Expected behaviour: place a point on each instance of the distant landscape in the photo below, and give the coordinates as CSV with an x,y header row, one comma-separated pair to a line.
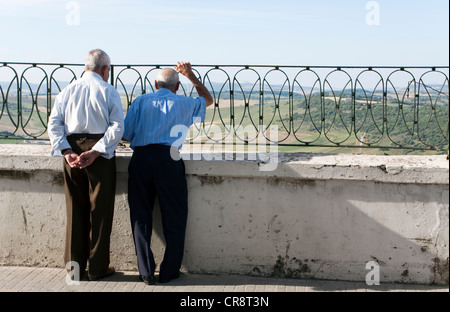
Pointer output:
x,y
318,119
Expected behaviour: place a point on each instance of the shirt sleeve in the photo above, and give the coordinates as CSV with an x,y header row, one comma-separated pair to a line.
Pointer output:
x,y
56,127
130,121
199,109
107,145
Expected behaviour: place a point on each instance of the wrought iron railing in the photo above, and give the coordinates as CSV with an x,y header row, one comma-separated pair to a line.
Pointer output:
x,y
315,106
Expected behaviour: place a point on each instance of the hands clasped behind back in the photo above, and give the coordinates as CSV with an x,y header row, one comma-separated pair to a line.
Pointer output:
x,y
81,161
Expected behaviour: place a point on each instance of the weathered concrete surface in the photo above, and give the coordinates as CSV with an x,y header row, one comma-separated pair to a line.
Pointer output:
x,y
315,216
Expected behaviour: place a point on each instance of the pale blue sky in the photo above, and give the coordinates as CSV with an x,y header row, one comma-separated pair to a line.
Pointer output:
x,y
254,32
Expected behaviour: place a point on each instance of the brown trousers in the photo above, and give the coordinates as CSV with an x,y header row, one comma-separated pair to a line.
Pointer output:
x,y
90,207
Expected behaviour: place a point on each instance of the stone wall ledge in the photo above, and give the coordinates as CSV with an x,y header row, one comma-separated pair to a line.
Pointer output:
x,y
386,169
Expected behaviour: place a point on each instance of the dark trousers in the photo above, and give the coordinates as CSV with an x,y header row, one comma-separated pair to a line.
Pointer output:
x,y
153,172
90,196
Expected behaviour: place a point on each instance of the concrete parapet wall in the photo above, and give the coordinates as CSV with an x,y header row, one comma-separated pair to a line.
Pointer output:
x,y
315,216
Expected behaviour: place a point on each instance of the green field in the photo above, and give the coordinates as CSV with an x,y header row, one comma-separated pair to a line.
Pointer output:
x,y
392,127
311,130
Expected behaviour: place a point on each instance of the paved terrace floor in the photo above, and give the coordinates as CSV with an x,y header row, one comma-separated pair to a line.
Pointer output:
x,y
28,279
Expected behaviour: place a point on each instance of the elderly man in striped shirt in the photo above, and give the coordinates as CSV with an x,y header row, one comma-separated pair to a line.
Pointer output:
x,y
154,172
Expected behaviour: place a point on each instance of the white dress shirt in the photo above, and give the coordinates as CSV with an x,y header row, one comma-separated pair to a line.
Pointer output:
x,y
87,106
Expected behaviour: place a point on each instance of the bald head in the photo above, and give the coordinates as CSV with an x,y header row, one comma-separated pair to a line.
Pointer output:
x,y
167,78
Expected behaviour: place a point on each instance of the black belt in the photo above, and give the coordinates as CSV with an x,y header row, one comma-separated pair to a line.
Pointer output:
x,y
155,146
87,136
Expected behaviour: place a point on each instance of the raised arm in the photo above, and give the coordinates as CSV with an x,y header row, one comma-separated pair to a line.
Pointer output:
x,y
186,70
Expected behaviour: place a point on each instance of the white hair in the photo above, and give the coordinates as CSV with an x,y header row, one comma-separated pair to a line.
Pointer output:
x,y
96,59
167,78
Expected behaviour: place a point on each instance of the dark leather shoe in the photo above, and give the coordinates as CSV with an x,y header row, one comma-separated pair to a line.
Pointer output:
x,y
110,271
165,280
148,280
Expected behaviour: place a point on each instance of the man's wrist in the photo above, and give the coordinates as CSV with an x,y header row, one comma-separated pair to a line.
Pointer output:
x,y
95,153
191,76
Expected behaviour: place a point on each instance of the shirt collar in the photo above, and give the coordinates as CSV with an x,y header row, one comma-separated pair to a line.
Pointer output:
x,y
164,91
92,74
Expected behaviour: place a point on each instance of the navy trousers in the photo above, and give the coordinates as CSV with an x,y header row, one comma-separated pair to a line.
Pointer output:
x,y
153,172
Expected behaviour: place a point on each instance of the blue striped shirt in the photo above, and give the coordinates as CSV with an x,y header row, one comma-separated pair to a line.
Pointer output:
x,y
156,118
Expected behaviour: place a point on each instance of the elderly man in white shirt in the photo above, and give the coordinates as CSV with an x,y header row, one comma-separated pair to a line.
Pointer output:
x,y
85,126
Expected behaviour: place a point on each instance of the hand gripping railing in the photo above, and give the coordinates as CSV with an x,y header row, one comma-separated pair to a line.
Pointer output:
x,y
315,106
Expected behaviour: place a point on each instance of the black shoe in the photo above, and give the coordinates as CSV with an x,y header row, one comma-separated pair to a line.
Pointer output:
x,y
110,271
165,280
148,280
